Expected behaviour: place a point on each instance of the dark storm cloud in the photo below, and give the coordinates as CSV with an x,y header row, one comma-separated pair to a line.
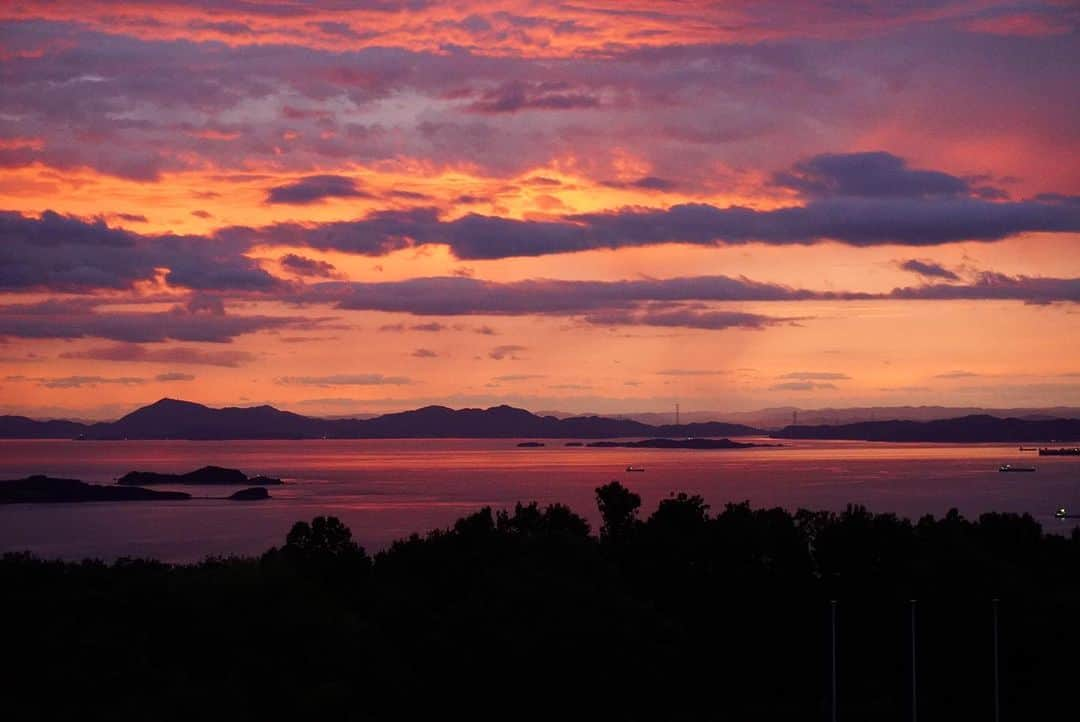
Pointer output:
x,y
855,221
928,269
65,253
315,188
378,234
132,352
873,174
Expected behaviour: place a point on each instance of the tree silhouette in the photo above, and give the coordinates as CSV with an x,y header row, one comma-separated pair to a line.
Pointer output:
x,y
325,536
618,508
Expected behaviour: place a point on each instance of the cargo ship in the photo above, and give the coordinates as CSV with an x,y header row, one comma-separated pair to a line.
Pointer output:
x,y
1074,451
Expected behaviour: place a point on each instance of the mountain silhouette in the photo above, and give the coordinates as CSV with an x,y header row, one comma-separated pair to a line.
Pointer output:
x,y
176,419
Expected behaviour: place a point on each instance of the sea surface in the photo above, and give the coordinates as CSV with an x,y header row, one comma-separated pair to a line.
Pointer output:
x,y
387,489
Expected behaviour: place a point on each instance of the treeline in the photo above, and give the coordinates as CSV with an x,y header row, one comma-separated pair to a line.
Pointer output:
x,y
685,614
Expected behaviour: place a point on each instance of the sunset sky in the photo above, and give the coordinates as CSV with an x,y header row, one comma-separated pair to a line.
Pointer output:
x,y
599,205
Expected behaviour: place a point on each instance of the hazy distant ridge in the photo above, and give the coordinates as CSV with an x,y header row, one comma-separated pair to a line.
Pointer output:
x,y
967,429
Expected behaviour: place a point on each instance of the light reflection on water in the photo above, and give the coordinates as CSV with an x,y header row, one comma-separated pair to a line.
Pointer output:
x,y
386,489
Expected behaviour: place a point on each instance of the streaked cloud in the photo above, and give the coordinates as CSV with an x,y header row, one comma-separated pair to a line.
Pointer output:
x,y
345,380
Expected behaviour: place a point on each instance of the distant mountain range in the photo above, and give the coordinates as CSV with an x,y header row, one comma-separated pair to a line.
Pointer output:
x,y
781,416
174,419
966,429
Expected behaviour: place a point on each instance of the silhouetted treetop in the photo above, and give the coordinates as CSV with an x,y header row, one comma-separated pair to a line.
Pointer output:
x,y
618,508
325,536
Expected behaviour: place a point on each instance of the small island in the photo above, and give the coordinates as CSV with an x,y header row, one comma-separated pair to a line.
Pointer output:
x,y
679,444
46,489
254,493
41,489
207,475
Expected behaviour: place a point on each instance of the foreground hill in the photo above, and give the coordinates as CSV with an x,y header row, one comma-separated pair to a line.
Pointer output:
x,y
684,613
966,429
174,419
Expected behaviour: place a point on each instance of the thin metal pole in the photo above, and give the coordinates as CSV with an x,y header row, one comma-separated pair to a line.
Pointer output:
x,y
832,604
914,678
997,668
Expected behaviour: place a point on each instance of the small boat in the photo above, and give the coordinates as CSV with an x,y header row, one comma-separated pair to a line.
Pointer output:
x,y
1061,513
1010,467
1075,451
635,468
1029,448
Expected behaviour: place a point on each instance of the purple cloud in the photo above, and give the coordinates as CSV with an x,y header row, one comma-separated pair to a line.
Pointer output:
x,y
76,319
173,376
816,376
874,174
855,221
508,351
315,188
304,266
801,386
517,95
928,269
685,318
345,380
64,253
131,352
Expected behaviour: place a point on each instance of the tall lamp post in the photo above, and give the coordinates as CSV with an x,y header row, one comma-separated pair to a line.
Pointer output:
x,y
914,676
997,667
832,697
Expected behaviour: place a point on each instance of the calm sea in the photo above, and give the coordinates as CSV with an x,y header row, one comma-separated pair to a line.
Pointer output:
x,y
386,489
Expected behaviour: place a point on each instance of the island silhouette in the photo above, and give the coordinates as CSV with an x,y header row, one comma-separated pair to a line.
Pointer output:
x,y
40,488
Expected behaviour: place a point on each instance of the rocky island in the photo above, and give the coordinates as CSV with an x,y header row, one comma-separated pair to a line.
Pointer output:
x,y
45,489
207,475
253,493
41,489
